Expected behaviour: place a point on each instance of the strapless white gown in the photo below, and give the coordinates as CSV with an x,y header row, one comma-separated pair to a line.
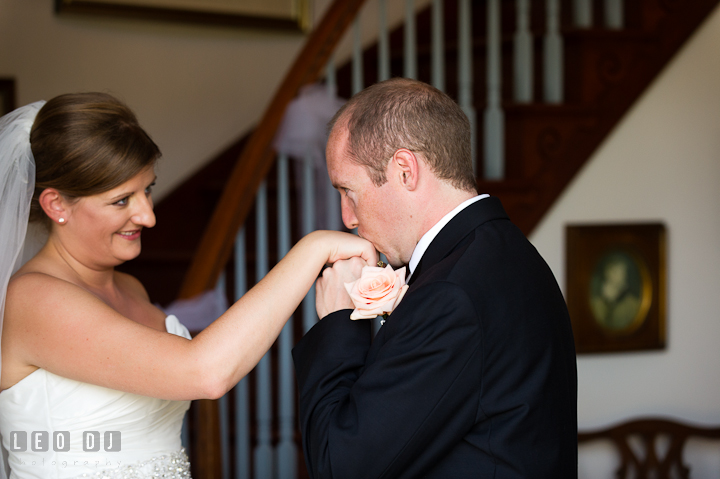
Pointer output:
x,y
149,428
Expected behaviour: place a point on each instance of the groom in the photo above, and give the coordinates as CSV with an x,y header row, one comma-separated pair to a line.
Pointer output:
x,y
473,375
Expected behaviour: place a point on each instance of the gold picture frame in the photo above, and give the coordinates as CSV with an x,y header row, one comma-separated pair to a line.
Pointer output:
x,y
616,286
290,15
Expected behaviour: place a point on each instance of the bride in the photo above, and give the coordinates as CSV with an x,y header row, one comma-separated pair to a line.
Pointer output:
x,y
95,380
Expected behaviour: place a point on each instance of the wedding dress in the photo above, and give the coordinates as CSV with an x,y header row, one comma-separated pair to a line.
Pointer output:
x,y
135,436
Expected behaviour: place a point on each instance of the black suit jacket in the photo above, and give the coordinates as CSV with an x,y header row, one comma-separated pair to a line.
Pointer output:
x,y
472,376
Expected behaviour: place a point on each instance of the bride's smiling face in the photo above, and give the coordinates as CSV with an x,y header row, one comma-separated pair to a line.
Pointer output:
x,y
105,229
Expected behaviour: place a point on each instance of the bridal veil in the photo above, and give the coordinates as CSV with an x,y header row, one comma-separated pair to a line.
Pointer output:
x,y
17,183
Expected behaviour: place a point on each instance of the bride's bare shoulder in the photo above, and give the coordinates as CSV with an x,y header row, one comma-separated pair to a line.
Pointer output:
x,y
37,286
132,285
40,264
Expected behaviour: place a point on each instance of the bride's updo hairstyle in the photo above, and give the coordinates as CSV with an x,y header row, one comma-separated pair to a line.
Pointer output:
x,y
85,144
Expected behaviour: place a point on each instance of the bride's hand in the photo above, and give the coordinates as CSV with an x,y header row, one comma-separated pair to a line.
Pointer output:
x,y
339,246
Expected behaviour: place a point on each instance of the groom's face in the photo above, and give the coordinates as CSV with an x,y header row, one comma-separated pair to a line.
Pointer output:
x,y
376,211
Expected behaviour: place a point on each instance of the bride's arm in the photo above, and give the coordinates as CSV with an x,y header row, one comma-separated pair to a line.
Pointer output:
x,y
60,327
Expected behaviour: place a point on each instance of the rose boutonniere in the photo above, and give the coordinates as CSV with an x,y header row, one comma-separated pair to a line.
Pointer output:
x,y
377,292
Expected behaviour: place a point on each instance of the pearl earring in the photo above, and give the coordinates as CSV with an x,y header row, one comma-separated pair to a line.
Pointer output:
x,y
61,220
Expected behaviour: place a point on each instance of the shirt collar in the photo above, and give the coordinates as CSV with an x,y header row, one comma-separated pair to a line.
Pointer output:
x,y
428,237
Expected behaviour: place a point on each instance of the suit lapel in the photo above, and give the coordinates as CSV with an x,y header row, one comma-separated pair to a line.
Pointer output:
x,y
458,228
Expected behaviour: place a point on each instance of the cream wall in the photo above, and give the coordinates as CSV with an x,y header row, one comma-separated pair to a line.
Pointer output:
x,y
195,89
662,163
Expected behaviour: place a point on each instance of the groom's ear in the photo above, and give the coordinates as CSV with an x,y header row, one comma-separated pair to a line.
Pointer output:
x,y
404,164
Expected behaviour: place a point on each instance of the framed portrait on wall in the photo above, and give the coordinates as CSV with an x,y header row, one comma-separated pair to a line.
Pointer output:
x,y
7,95
616,286
292,15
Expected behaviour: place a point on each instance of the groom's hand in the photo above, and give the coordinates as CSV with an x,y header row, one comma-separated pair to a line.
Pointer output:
x,y
330,292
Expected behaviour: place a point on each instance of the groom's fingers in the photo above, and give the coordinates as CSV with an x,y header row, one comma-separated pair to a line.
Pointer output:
x,y
349,269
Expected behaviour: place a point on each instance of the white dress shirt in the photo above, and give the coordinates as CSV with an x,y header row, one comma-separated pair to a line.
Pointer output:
x,y
428,237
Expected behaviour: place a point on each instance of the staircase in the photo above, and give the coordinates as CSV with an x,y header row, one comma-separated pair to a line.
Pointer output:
x,y
545,143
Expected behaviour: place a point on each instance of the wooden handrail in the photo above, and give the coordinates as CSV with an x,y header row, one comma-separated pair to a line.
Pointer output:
x,y
256,159
237,198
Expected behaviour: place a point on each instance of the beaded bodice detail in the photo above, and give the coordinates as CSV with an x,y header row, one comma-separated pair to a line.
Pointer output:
x,y
166,466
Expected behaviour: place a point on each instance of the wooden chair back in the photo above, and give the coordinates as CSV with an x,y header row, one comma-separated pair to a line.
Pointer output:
x,y
651,448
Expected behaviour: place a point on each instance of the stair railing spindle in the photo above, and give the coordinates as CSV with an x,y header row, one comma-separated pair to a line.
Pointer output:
x,y
242,403
185,435
553,54
286,449
582,13
523,54
263,451
465,78
333,208
410,46
333,196
383,42
330,77
223,412
357,59
223,409
438,45
494,117
614,17
308,226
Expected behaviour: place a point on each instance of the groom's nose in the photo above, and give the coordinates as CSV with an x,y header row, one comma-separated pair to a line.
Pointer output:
x,y
348,215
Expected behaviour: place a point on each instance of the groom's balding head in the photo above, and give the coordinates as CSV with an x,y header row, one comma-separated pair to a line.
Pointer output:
x,y
404,113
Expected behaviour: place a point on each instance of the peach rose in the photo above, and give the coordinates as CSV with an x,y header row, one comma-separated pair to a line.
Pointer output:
x,y
377,292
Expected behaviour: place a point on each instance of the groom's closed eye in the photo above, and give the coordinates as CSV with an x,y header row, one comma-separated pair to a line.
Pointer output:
x,y
346,192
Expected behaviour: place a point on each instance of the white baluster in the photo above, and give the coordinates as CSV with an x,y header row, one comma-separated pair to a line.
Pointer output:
x,y
286,453
523,54
383,42
223,405
263,458
465,79
333,207
553,54
185,434
410,70
330,77
494,118
224,414
242,403
308,226
357,60
332,195
582,13
438,45
614,15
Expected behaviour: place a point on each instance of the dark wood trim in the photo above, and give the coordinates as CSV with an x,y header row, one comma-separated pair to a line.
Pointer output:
x,y
89,7
7,95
